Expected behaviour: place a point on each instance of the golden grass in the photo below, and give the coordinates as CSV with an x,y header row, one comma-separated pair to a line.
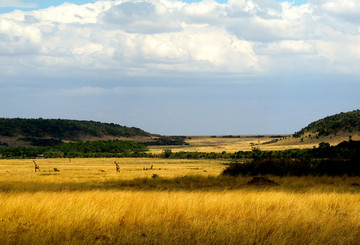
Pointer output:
x,y
104,168
81,205
246,143
215,144
135,217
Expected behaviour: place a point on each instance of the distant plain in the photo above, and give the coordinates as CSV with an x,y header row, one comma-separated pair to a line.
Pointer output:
x,y
236,143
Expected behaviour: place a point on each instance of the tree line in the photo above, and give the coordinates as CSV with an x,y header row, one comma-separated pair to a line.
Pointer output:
x,y
108,148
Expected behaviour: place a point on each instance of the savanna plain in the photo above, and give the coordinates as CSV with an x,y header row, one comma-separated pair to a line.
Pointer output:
x,y
169,201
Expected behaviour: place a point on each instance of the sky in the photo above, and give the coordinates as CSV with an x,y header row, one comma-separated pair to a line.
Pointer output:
x,y
181,67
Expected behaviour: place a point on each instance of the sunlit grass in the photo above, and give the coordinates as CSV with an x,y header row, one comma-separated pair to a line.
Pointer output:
x,y
136,217
90,168
187,204
246,143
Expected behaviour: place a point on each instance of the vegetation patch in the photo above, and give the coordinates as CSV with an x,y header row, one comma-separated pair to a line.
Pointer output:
x,y
64,129
295,167
262,181
343,122
168,140
343,159
40,142
108,148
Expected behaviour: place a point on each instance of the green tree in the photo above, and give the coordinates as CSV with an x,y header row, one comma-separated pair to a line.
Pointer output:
x,y
167,153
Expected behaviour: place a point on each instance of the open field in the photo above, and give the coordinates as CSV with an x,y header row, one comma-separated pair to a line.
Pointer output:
x,y
247,142
87,202
103,169
217,144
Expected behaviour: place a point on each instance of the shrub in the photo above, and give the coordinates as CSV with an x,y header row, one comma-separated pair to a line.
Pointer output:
x,y
295,167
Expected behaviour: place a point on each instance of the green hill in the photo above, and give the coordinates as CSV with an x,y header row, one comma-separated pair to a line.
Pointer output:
x,y
45,132
342,123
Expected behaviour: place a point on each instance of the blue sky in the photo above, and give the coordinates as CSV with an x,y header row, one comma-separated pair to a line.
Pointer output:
x,y
174,68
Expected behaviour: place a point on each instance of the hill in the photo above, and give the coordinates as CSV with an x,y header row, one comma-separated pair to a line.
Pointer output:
x,y
49,132
343,123
332,129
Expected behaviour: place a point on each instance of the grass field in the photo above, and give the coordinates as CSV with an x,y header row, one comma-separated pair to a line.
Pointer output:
x,y
87,202
247,142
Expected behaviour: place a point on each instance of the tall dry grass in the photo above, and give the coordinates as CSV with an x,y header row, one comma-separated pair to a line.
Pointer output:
x,y
137,217
81,205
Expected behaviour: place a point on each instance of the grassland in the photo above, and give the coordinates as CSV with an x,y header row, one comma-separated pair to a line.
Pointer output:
x,y
87,202
217,144
247,142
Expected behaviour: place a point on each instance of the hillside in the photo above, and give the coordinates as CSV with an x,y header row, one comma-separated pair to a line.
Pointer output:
x,y
45,132
332,129
342,123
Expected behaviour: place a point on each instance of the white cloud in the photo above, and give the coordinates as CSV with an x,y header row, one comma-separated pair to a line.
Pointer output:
x,y
348,10
141,17
18,39
286,47
154,36
16,4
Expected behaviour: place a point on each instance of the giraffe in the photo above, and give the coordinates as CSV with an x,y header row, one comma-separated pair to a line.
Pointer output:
x,y
117,167
36,166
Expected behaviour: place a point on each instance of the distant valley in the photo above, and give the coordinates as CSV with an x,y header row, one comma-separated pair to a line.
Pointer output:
x,y
50,132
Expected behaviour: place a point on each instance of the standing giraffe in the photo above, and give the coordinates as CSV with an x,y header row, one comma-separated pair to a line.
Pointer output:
x,y
117,167
36,166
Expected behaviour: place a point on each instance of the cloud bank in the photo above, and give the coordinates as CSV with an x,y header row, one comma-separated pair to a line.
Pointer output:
x,y
150,36
151,52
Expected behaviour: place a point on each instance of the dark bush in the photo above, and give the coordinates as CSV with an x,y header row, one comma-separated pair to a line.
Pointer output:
x,y
295,167
168,140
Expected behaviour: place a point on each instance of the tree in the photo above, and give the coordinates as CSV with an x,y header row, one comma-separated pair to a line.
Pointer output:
x,y
324,145
167,153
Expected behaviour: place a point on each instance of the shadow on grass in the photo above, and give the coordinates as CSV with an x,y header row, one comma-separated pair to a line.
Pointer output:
x,y
195,183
